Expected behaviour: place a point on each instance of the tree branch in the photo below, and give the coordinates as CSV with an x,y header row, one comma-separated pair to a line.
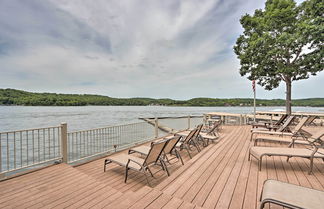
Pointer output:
x,y
297,55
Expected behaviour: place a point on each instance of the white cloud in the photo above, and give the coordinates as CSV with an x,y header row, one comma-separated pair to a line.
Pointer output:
x,y
172,48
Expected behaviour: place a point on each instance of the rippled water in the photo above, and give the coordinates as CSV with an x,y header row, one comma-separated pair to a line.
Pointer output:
x,y
86,117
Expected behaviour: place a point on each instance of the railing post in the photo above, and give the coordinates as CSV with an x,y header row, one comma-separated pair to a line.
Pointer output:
x,y
240,119
188,121
64,143
205,119
156,126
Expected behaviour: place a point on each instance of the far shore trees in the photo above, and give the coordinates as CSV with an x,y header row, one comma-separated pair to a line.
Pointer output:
x,y
283,42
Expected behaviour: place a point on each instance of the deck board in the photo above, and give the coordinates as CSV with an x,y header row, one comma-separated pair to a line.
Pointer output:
x,y
220,176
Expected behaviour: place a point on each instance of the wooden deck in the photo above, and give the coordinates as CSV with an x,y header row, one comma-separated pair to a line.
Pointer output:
x,y
220,176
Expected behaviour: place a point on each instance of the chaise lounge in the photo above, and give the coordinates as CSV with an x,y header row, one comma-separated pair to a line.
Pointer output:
x,y
283,130
291,138
269,126
290,195
139,164
316,152
189,140
168,149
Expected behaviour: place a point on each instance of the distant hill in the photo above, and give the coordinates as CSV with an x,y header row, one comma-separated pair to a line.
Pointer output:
x,y
19,97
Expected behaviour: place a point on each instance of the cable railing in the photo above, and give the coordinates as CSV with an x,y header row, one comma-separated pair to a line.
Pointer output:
x,y
24,148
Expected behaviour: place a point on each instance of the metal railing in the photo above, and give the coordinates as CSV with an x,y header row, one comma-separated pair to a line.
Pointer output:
x,y
228,118
89,143
24,148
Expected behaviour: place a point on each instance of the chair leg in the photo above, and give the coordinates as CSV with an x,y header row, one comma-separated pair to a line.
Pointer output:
x,y
106,163
150,171
288,158
196,145
165,167
179,156
311,166
126,174
148,182
188,152
167,159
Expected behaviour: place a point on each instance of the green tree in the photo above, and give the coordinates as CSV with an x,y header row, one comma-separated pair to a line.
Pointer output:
x,y
283,42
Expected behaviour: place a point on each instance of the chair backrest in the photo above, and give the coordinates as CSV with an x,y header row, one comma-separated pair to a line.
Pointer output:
x,y
190,135
199,127
287,123
300,124
216,125
155,152
310,119
171,144
281,120
316,140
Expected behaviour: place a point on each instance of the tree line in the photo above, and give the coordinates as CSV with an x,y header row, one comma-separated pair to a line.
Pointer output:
x,y
19,97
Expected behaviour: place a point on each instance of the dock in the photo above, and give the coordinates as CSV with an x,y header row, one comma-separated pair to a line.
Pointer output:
x,y
220,176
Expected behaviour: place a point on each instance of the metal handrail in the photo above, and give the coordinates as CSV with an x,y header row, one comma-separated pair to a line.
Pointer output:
x,y
25,149
29,147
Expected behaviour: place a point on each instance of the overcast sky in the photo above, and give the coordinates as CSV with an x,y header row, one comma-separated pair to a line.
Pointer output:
x,y
130,48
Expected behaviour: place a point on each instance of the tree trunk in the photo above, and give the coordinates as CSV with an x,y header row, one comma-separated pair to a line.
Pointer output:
x,y
288,96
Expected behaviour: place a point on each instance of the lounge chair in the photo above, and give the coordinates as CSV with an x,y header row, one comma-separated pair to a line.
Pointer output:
x,y
189,140
316,152
270,126
210,135
212,129
139,164
281,131
290,195
291,138
195,139
309,122
168,149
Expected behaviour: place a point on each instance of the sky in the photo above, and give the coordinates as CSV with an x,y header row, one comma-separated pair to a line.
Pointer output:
x,y
177,49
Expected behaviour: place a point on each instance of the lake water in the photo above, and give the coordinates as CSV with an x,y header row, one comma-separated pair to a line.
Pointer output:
x,y
87,117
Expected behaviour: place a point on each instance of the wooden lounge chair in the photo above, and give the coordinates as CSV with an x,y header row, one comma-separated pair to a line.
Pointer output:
x,y
291,138
168,149
139,164
270,126
290,195
316,152
282,130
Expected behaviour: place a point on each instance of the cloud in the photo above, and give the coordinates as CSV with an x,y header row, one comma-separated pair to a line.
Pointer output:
x,y
130,48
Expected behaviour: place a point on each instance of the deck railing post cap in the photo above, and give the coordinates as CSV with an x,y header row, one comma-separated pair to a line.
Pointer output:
x,y
63,123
